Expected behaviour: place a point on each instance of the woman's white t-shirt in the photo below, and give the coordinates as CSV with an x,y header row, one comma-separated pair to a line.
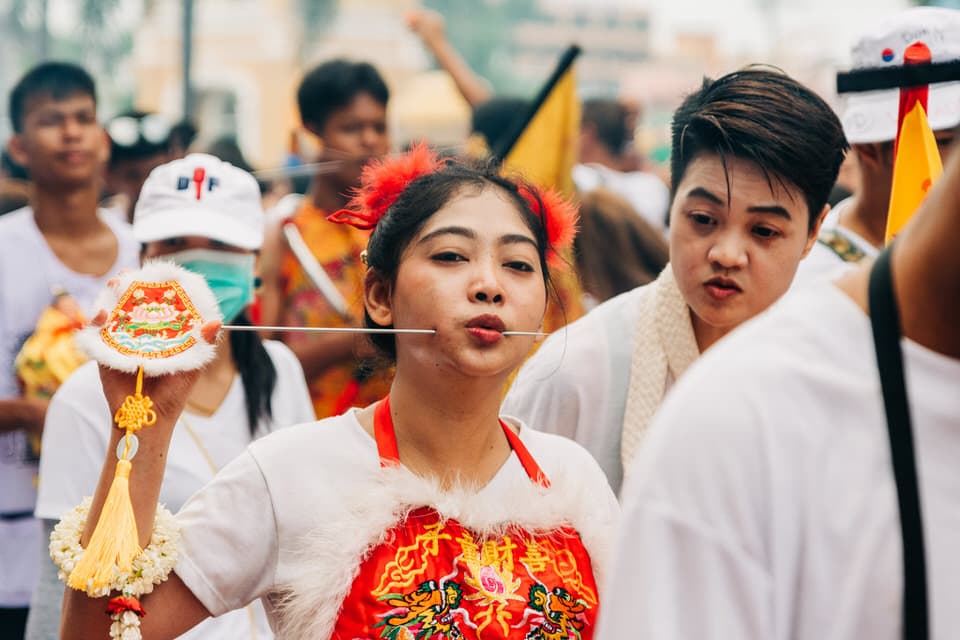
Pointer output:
x,y
243,535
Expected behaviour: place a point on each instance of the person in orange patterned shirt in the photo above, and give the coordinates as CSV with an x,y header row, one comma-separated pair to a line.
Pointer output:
x,y
344,105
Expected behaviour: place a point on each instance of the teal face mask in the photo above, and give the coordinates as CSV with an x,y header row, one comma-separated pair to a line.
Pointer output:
x,y
229,275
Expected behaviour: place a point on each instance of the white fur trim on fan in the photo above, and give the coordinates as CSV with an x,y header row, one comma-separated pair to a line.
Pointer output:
x,y
195,287
331,555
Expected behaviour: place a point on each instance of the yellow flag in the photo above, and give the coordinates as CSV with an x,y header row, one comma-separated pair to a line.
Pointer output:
x,y
545,154
916,167
548,147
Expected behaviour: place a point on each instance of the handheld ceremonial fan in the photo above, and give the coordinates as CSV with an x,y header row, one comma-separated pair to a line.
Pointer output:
x,y
153,328
154,322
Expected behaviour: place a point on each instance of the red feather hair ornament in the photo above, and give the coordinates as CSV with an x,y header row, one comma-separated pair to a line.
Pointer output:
x,y
559,217
382,182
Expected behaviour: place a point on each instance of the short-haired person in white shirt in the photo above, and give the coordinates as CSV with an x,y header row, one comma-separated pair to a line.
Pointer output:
x,y
61,242
423,515
754,155
605,139
764,505
251,388
855,228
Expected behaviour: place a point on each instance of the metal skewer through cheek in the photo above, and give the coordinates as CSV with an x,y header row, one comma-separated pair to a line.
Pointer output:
x,y
232,327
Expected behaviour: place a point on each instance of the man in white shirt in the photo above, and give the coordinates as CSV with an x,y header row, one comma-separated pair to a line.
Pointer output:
x,y
764,504
604,137
856,227
754,155
60,242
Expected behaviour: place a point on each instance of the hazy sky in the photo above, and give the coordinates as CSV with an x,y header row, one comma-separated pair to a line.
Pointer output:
x,y
818,28
821,28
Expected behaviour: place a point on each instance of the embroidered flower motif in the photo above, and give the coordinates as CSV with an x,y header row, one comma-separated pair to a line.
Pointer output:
x,y
156,313
491,582
139,293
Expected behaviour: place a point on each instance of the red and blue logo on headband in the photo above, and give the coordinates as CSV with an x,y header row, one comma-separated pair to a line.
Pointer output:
x,y
887,54
199,176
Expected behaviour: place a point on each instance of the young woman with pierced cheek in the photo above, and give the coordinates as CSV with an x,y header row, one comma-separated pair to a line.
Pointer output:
x,y
472,272
508,526
736,238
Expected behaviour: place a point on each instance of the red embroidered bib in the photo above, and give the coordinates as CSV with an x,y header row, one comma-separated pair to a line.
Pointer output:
x,y
435,578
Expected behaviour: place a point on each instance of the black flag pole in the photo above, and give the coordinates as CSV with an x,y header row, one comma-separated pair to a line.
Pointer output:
x,y
897,77
506,144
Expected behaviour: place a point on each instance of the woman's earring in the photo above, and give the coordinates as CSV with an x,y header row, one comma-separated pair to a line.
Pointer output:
x,y
363,257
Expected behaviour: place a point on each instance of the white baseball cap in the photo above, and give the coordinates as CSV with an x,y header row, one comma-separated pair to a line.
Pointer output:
x,y
872,116
200,195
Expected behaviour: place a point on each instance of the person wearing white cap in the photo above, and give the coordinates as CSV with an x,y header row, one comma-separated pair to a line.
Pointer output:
x,y
205,215
856,227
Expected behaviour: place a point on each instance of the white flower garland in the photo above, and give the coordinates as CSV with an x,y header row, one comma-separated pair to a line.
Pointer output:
x,y
150,568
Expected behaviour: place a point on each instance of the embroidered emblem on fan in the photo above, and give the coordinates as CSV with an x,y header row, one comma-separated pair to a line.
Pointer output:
x,y
152,319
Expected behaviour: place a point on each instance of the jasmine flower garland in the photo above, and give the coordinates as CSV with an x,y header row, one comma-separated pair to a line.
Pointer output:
x,y
150,568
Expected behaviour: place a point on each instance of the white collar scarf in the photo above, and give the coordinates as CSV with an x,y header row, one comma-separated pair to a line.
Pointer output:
x,y
664,344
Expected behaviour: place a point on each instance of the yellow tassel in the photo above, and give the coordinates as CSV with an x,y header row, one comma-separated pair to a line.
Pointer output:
x,y
114,543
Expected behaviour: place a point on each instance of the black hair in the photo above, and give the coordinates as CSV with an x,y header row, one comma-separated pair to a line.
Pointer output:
x,y
182,135
228,149
424,197
609,119
57,80
257,373
333,85
495,118
765,117
142,147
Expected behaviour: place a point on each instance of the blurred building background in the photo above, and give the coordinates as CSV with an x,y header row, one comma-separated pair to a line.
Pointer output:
x,y
248,55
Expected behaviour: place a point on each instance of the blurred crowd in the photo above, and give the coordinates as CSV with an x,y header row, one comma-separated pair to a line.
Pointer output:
x,y
70,199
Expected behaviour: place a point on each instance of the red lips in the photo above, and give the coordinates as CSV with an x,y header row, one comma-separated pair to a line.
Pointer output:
x,y
722,288
487,321
486,329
